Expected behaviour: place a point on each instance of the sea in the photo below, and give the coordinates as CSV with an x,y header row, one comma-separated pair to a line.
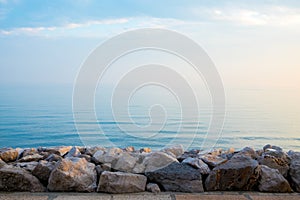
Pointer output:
x,y
43,116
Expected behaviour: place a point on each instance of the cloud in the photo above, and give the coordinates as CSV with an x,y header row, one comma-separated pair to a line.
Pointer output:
x,y
265,16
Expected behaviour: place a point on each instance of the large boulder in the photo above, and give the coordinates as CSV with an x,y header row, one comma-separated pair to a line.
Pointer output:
x,y
272,181
17,179
248,151
295,170
125,162
213,160
43,170
177,177
73,174
239,173
29,166
107,156
74,152
120,182
9,155
276,159
156,160
31,158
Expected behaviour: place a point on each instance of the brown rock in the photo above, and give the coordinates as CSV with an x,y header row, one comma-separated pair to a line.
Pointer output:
x,y
17,179
43,170
153,187
198,164
272,181
73,174
9,155
175,151
31,157
145,150
213,160
120,182
29,166
239,173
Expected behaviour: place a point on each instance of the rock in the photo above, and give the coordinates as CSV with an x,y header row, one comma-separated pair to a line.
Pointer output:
x,y
272,181
53,157
29,166
17,179
153,187
129,149
120,182
239,173
275,159
124,163
31,157
177,177
192,154
30,151
9,155
213,160
248,151
230,150
108,156
57,150
155,161
87,157
268,146
176,150
145,150
293,154
2,163
198,164
106,166
43,170
295,171
92,150
73,174
74,152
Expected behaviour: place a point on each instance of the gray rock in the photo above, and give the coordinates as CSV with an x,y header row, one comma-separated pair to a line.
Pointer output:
x,y
272,181
74,152
29,151
275,159
125,163
73,174
120,182
9,155
268,146
213,160
2,163
31,157
177,177
294,171
248,151
43,170
17,179
239,173
153,187
92,150
53,157
108,156
29,166
176,150
156,160
57,150
198,164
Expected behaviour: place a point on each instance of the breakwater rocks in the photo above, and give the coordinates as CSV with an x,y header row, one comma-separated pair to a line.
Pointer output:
x,y
115,170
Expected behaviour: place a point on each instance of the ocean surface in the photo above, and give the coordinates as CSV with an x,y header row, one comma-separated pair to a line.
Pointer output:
x,y
33,116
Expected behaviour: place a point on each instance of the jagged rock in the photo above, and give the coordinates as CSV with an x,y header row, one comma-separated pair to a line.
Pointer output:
x,y
106,166
87,157
156,160
275,159
268,146
17,179
107,156
92,150
189,154
53,157
57,150
153,187
248,151
124,163
120,182
2,163
198,164
177,177
9,155
295,171
272,181
176,150
145,150
213,160
31,157
239,173
43,170
29,166
130,149
74,152
30,151
73,174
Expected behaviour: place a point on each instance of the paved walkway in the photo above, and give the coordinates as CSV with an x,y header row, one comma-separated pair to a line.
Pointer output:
x,y
150,196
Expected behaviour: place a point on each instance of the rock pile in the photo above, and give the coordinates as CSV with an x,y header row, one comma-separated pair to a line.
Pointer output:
x,y
115,170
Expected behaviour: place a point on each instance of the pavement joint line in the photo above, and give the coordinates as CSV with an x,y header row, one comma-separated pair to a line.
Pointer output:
x,y
247,196
173,197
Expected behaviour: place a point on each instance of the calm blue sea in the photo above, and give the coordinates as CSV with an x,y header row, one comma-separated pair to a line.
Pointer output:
x,y
33,116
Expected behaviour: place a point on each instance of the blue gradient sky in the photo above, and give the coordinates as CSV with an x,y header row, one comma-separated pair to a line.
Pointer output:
x,y
254,44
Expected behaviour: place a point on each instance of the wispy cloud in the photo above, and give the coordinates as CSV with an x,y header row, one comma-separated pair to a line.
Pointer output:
x,y
265,16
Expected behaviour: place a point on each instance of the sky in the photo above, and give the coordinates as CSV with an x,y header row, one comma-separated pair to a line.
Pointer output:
x,y
254,44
